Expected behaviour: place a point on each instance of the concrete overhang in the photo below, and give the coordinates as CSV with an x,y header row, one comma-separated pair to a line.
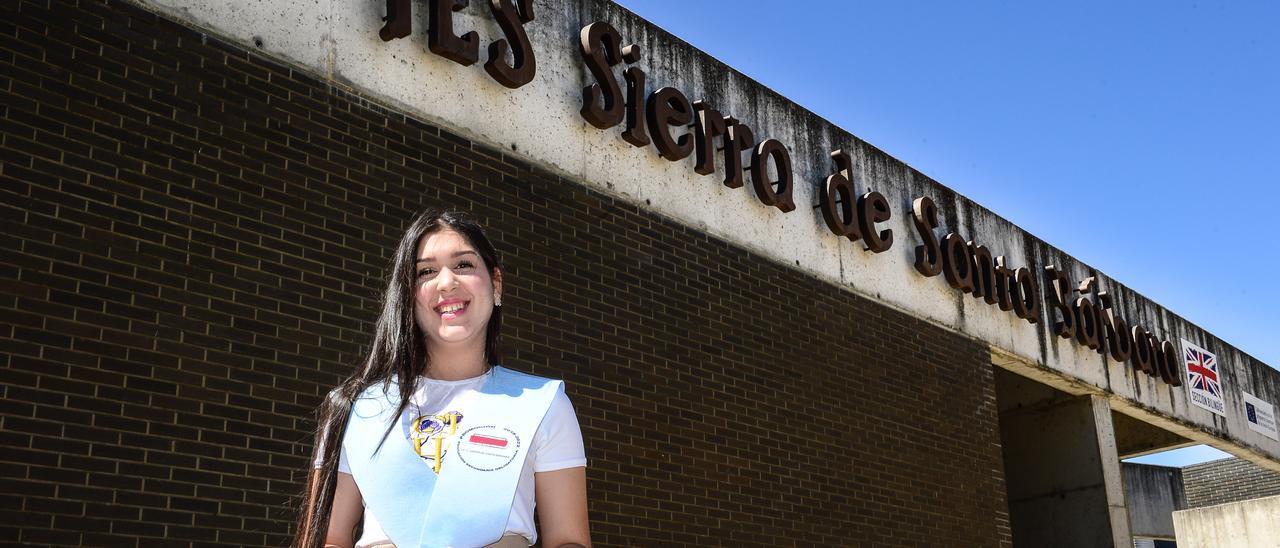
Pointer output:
x,y
338,41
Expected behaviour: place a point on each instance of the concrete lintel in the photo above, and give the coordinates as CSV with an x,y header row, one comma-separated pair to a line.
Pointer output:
x,y
338,42
1194,434
1135,437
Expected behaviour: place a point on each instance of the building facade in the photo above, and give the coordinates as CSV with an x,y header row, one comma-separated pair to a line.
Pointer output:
x,y
778,346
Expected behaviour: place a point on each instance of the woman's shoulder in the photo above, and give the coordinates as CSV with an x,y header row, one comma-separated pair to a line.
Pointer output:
x,y
345,394
520,377
382,390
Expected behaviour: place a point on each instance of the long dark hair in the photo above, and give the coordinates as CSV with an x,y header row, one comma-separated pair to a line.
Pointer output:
x,y
398,352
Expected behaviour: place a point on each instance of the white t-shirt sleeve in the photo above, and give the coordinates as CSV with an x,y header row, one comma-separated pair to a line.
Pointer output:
x,y
343,466
558,443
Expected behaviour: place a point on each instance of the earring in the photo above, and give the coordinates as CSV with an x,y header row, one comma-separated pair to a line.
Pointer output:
x,y
497,300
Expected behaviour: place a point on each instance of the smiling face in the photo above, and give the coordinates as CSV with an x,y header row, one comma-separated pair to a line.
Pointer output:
x,y
454,295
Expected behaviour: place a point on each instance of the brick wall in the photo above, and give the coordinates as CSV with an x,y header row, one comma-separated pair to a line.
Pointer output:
x,y
1227,480
193,237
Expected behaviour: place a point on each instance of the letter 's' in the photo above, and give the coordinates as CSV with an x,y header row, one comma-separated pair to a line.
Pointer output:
x,y
599,44
925,216
511,21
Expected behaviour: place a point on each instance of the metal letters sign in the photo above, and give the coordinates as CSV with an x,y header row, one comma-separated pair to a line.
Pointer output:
x,y
465,49
678,128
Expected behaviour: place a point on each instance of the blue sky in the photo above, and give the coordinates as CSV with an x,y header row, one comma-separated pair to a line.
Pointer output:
x,y
1141,137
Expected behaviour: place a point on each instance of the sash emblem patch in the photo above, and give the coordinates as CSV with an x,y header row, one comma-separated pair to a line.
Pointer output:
x,y
488,448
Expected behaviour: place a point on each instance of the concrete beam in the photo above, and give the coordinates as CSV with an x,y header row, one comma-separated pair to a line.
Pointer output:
x,y
338,41
1241,446
1135,438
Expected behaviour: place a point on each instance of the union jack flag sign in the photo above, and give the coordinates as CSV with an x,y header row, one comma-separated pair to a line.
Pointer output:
x,y
1204,386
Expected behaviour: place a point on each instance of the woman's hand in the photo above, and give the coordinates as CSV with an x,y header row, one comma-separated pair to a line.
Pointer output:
x,y
561,498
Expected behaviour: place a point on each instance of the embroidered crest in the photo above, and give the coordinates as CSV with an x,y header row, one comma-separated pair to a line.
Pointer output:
x,y
429,433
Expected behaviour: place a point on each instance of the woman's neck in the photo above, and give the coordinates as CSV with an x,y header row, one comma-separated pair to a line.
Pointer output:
x,y
455,366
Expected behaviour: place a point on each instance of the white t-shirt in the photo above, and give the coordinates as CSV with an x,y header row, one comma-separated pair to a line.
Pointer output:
x,y
556,445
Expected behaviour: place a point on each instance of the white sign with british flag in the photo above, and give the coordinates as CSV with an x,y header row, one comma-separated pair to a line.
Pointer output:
x,y
1204,385
1261,416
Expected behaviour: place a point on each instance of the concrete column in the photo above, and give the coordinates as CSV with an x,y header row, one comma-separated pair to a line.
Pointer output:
x,y
1063,475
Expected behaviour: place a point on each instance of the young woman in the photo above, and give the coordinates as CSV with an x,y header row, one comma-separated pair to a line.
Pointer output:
x,y
431,442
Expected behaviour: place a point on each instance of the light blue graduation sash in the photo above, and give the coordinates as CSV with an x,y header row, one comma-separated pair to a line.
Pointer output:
x,y
469,502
